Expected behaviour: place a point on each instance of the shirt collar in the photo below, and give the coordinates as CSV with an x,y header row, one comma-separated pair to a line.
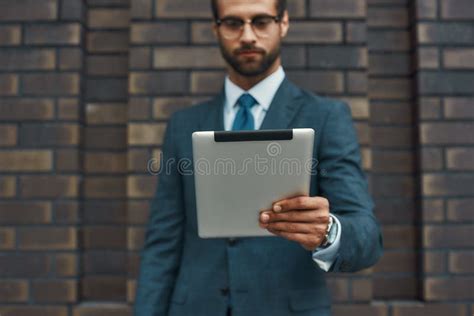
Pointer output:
x,y
263,92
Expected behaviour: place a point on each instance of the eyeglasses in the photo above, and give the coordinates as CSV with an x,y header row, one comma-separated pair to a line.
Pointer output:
x,y
232,28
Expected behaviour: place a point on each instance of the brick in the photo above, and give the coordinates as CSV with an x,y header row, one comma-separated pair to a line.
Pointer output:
x,y
106,113
389,40
164,107
26,109
363,132
33,310
54,291
102,310
435,262
8,85
110,237
339,289
432,210
139,109
395,287
12,291
187,57
314,32
105,163
390,112
356,32
47,238
26,160
7,186
429,108
146,134
448,236
107,65
361,290
392,136
28,10
106,89
112,262
457,9
104,212
389,88
359,106
24,212
322,81
338,8
108,18
106,138
389,64
105,187
136,239
66,212
460,58
138,211
108,3
356,82
393,161
72,10
396,262
447,82
13,265
138,160
33,59
395,211
49,134
131,289
182,9
107,42
460,210
163,82
201,33
367,310
67,159
335,57
70,59
68,109
426,9
58,84
460,158
399,236
428,58
457,107
66,264
140,58
7,239
141,9
10,35
447,133
387,17
140,186
461,262
159,33
448,184
445,33
53,34
8,135
454,288
210,82
57,186
431,159
434,309
293,56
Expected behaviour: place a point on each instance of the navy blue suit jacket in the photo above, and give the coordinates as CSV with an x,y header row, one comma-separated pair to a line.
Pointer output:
x,y
182,274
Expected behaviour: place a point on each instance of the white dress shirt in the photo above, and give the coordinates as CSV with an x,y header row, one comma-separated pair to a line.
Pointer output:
x,y
264,92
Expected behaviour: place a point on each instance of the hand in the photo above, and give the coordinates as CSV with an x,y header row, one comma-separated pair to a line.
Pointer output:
x,y
302,219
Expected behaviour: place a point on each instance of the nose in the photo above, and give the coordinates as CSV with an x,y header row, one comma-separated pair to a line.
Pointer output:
x,y
248,35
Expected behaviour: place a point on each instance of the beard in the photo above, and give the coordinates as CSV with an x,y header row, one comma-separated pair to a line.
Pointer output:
x,y
250,67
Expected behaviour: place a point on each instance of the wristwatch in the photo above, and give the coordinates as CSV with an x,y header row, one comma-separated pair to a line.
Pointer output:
x,y
331,233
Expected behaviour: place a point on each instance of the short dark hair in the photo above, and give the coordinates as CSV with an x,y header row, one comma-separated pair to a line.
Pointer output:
x,y
280,4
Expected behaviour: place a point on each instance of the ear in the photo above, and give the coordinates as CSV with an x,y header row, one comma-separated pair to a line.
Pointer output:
x,y
285,24
214,29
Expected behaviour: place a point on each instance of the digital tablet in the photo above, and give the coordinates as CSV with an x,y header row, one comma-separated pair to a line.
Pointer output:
x,y
239,173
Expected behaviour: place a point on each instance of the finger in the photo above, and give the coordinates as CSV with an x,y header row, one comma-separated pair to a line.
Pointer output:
x,y
303,228
301,203
313,216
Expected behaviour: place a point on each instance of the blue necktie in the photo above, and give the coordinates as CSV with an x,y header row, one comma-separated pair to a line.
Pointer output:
x,y
244,118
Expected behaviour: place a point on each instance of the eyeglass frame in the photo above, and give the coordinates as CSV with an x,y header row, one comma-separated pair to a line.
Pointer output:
x,y
276,18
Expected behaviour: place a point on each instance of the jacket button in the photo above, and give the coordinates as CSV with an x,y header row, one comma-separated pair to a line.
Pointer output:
x,y
225,291
231,241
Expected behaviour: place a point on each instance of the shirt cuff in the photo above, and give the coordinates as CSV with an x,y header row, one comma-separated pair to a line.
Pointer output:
x,y
325,257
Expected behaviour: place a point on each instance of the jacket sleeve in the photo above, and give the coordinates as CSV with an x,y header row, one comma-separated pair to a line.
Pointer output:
x,y
161,254
343,183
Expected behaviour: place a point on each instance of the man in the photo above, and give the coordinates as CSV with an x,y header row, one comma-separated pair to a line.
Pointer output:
x,y
333,229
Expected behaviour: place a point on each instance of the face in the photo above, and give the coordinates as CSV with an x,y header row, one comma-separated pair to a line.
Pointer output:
x,y
250,55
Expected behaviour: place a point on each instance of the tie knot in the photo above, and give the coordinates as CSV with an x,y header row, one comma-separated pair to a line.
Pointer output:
x,y
246,101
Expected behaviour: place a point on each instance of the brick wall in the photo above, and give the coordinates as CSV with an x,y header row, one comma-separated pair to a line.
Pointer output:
x,y
86,88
